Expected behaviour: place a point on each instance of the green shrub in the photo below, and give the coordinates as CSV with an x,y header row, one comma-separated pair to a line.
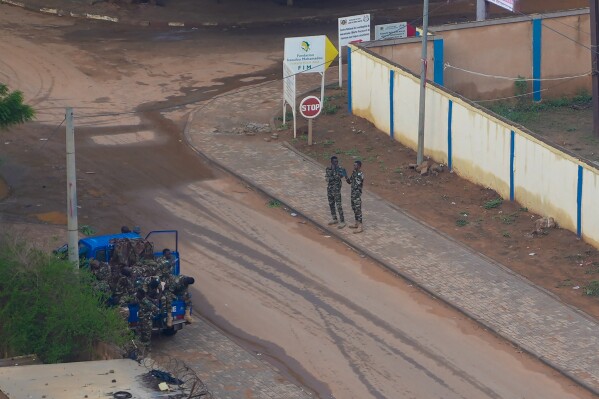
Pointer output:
x,y
494,203
50,309
592,289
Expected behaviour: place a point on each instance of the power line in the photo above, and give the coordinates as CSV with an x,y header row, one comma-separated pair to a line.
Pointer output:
x,y
558,32
447,65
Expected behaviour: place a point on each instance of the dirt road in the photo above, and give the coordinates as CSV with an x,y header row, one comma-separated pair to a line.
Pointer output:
x,y
331,320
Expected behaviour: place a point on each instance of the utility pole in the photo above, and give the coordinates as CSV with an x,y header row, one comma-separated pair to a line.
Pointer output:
x,y
421,108
481,10
72,225
595,63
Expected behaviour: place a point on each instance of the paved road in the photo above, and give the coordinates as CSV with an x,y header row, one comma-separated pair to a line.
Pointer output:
x,y
328,319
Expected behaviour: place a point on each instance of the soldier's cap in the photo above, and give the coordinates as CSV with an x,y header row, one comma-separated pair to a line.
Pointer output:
x,y
154,283
189,280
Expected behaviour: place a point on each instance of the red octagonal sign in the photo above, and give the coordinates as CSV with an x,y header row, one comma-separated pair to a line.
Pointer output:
x,y
310,107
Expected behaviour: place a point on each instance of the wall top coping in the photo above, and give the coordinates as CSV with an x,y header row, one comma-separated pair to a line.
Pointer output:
x,y
509,20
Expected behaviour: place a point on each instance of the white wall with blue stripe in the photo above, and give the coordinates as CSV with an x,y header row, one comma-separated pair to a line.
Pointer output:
x,y
476,144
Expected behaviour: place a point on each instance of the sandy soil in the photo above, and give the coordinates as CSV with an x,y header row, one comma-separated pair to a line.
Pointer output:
x,y
309,305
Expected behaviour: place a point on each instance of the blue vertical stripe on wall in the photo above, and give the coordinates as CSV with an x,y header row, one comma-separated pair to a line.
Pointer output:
x,y
391,105
579,203
512,154
537,44
349,105
449,143
439,62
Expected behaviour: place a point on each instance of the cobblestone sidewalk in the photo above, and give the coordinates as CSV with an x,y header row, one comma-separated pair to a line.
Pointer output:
x,y
229,371
504,302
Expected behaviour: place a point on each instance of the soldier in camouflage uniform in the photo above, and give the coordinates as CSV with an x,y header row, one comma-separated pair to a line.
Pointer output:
x,y
357,181
102,273
180,288
124,291
333,176
146,312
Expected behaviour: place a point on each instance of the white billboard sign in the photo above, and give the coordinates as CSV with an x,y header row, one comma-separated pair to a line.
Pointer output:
x,y
305,54
507,4
398,30
354,29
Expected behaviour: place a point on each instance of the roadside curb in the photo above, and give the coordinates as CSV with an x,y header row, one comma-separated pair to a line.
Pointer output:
x,y
389,267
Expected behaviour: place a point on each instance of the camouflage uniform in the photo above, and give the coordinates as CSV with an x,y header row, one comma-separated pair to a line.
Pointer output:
x,y
178,289
146,312
124,291
333,177
103,275
357,181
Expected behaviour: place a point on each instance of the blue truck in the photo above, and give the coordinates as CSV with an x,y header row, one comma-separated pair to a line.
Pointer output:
x,y
101,249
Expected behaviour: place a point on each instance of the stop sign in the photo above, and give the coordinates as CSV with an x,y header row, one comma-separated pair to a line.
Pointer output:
x,y
310,107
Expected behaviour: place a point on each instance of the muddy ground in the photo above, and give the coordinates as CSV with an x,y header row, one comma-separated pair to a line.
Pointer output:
x,y
557,260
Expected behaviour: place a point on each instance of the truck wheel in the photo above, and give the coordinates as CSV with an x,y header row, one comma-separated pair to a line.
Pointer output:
x,y
169,332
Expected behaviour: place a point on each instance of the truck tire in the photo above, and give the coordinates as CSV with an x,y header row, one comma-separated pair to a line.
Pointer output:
x,y
169,332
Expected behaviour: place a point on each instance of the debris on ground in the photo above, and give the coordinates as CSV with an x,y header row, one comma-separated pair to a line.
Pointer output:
x,y
544,223
256,128
427,167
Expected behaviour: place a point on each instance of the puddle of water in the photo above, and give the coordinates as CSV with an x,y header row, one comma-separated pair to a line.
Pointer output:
x,y
125,138
53,217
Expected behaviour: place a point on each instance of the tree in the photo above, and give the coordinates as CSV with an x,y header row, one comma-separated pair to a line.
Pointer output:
x,y
50,309
12,109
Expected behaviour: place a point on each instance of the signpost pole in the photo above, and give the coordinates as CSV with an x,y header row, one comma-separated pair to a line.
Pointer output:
x,y
421,108
322,89
340,67
294,125
310,131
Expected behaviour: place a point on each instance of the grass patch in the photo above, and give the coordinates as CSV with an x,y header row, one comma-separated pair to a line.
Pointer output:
x,y
507,219
592,288
328,143
329,108
461,222
494,203
505,234
523,109
87,230
565,283
273,203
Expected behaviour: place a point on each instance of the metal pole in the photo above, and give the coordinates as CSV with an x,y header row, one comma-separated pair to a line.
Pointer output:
x,y
481,10
421,108
310,131
322,89
73,229
340,67
595,62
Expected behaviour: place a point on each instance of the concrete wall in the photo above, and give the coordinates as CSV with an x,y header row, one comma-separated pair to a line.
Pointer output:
x,y
505,47
562,57
476,144
407,53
